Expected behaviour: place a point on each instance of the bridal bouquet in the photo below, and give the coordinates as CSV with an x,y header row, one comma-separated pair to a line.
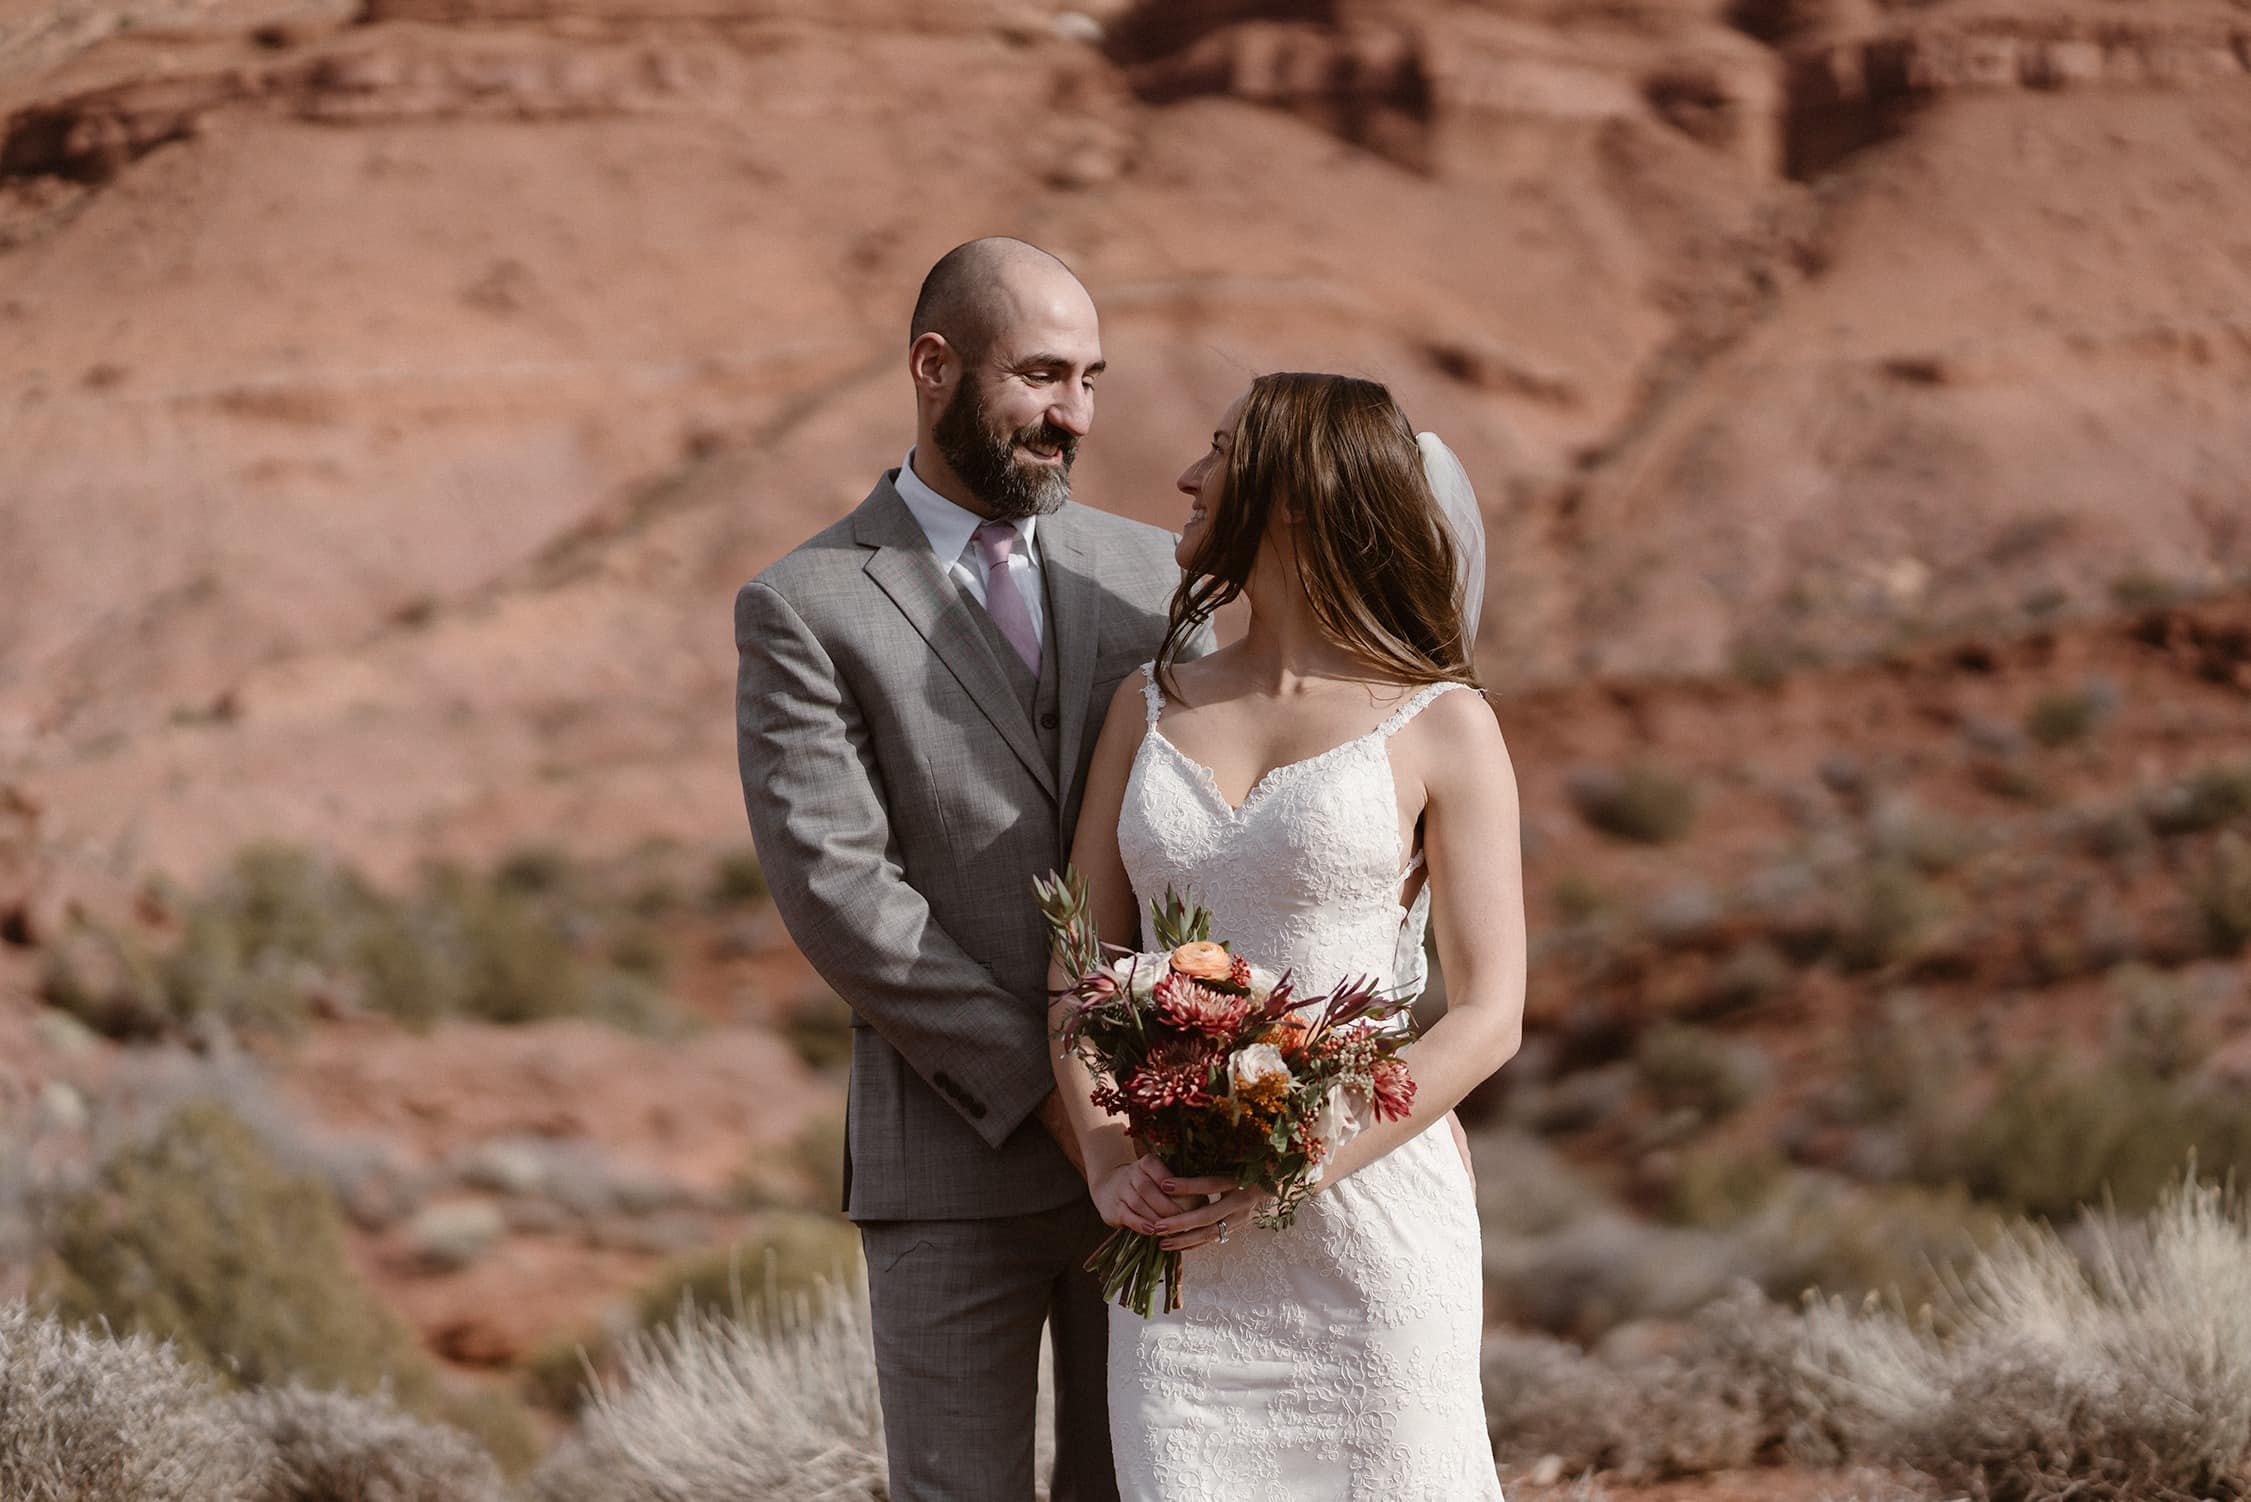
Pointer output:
x,y
1217,1065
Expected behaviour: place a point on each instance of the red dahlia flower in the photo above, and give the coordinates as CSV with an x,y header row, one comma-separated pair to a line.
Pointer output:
x,y
1199,1009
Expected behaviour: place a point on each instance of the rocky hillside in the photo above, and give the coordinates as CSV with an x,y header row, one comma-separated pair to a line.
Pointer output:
x,y
397,389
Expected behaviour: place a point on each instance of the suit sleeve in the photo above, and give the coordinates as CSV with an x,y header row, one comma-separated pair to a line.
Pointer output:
x,y
818,819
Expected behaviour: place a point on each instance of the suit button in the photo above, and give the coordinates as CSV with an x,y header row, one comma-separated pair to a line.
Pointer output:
x,y
1050,720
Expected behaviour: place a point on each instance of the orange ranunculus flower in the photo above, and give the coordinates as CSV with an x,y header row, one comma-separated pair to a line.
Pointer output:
x,y
1203,960
1288,1035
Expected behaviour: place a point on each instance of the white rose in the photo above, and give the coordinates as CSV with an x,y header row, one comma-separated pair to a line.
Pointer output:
x,y
1260,1061
1337,1122
1263,982
1138,974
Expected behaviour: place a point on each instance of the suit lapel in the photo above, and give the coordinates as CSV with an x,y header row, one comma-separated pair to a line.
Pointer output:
x,y
1074,611
904,568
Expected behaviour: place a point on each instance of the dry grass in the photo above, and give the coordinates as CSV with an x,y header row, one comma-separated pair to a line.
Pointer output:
x,y
1717,1399
333,1447
2044,1375
778,1408
88,1418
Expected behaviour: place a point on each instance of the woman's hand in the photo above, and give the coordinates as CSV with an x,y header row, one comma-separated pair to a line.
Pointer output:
x,y
1198,1224
1132,1195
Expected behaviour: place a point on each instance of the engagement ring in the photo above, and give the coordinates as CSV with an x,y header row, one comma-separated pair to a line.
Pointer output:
x,y
1223,1230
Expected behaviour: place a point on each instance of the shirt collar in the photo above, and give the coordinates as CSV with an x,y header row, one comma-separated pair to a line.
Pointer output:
x,y
947,525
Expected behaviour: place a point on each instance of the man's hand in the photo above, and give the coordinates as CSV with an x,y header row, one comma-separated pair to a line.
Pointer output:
x,y
1057,1119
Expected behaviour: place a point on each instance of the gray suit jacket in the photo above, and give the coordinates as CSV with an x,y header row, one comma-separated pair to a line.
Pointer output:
x,y
901,806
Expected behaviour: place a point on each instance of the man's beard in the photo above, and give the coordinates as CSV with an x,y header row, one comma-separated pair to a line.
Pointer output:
x,y
987,463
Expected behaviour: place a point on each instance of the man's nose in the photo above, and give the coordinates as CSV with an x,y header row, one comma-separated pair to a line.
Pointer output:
x,y
1073,412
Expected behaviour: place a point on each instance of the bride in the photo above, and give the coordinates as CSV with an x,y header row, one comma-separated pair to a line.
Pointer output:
x,y
1323,786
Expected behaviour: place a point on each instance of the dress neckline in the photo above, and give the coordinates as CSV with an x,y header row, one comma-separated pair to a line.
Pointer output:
x,y
1154,697
1209,780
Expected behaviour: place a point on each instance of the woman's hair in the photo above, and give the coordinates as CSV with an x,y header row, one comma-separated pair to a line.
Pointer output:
x,y
1374,553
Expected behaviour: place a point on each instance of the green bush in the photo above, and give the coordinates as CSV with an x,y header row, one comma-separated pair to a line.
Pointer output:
x,y
1899,1067
2159,1026
790,1254
1685,1067
2058,719
1637,803
1754,973
1719,1186
819,1026
110,981
1897,1242
533,870
2055,1138
281,926
2221,890
1894,913
737,878
197,1237
2202,801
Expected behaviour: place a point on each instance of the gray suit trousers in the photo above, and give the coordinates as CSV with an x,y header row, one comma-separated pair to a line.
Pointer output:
x,y
958,1306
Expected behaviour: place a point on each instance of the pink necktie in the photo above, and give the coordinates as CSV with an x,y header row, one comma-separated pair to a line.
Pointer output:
x,y
1003,601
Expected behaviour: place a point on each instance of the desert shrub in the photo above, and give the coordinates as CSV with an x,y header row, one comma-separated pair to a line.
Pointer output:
x,y
791,1255
2055,1138
1605,1268
2202,801
1751,974
1578,898
1902,830
2044,1376
1719,1186
728,1409
787,1255
1687,1067
818,1026
195,1234
282,928
1898,1067
335,1447
109,980
1892,916
1638,803
1901,1242
2059,719
819,1151
639,952
2159,1025
737,878
2221,891
87,1417
533,869
2111,834
1717,1400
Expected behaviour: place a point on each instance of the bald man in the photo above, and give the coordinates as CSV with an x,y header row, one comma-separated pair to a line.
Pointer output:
x,y
920,690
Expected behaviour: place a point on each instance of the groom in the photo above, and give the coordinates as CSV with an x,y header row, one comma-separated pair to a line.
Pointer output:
x,y
919,693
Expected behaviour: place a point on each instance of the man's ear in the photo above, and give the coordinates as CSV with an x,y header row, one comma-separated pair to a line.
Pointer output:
x,y
933,364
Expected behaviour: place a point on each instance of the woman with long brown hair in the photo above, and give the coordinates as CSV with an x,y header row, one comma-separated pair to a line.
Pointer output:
x,y
1321,785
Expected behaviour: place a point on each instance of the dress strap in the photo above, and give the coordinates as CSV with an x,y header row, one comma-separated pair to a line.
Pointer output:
x,y
1152,695
1414,706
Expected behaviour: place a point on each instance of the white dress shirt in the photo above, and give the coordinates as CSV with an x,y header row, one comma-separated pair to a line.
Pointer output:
x,y
949,528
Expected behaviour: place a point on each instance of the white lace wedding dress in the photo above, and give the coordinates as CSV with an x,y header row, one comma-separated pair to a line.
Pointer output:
x,y
1337,1359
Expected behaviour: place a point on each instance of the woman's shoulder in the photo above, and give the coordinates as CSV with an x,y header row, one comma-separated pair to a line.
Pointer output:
x,y
1457,719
